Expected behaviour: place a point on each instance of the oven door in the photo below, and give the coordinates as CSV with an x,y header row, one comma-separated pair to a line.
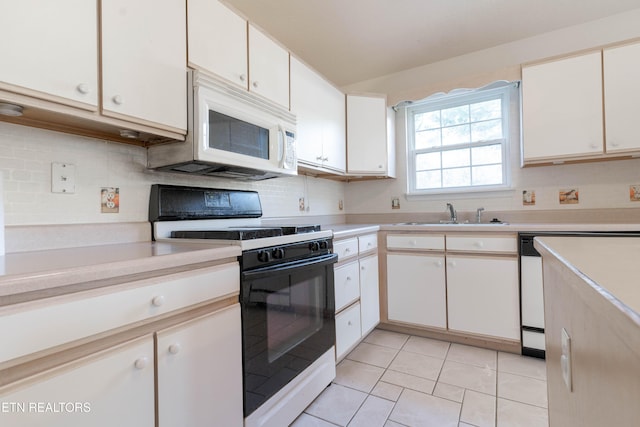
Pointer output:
x,y
288,321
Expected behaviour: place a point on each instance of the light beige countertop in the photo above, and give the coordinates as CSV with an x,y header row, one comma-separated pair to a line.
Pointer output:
x,y
507,227
41,271
343,231
607,264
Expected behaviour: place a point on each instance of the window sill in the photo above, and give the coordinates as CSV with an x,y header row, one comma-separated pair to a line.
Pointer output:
x,y
446,194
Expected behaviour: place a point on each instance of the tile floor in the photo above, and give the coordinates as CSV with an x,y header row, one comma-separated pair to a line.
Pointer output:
x,y
393,380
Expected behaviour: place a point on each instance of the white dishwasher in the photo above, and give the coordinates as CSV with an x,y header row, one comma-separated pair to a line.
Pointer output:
x,y
531,298
531,287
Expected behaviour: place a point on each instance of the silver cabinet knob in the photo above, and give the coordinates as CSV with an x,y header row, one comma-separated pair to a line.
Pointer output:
x,y
117,100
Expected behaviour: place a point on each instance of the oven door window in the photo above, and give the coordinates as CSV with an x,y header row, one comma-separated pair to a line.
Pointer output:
x,y
287,322
229,134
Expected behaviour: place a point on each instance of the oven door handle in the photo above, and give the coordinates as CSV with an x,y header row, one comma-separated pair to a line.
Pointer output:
x,y
289,266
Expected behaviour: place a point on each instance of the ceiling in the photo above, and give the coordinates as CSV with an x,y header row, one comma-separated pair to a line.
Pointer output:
x,y
350,41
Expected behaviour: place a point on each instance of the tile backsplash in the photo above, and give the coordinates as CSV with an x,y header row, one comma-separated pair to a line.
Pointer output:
x,y
26,156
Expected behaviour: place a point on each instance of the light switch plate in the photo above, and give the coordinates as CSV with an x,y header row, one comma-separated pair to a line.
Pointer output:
x,y
63,178
565,359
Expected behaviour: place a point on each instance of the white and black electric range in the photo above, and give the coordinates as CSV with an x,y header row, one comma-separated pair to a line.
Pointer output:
x,y
286,293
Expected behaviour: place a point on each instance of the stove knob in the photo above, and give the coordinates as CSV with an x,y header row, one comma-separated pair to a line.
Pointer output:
x,y
324,244
264,256
278,253
314,246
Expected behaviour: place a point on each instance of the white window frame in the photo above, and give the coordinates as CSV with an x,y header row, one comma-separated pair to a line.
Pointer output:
x,y
509,92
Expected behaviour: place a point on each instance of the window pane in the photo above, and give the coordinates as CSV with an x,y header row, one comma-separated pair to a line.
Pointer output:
x,y
428,138
456,135
455,116
489,154
460,142
487,175
454,158
426,180
430,120
459,177
486,131
427,161
486,110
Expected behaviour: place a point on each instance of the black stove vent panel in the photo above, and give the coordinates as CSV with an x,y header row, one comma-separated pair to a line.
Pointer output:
x,y
172,202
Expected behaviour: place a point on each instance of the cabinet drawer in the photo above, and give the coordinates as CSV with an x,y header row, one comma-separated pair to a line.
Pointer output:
x,y
347,330
367,243
346,248
38,325
500,244
346,284
412,241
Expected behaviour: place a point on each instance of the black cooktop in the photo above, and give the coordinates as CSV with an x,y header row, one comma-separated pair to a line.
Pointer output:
x,y
244,233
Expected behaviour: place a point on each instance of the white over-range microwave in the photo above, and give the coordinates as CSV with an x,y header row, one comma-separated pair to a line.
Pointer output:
x,y
232,133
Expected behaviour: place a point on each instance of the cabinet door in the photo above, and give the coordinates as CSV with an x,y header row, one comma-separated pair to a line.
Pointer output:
x,y
200,372
268,68
346,284
483,296
366,135
306,88
144,74
331,103
320,110
621,94
53,48
416,291
347,330
562,108
111,388
217,39
369,293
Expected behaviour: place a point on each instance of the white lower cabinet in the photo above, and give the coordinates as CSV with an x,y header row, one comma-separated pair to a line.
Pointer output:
x,y
416,289
200,371
483,295
357,290
462,283
191,375
369,294
348,330
110,388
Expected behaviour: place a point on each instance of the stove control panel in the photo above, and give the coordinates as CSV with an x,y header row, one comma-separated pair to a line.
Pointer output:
x,y
286,253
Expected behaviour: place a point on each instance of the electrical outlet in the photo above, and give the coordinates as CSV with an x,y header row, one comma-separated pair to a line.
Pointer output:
x,y
301,204
63,178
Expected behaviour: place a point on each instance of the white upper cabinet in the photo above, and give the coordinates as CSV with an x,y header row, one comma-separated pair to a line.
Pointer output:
x,y
223,43
621,95
268,67
562,109
218,40
144,61
51,48
320,111
370,142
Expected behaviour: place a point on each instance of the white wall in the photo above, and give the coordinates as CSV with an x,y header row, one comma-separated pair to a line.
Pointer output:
x,y
26,155
601,185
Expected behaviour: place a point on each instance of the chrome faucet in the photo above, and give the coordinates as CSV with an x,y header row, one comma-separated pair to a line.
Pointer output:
x,y
479,215
453,216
